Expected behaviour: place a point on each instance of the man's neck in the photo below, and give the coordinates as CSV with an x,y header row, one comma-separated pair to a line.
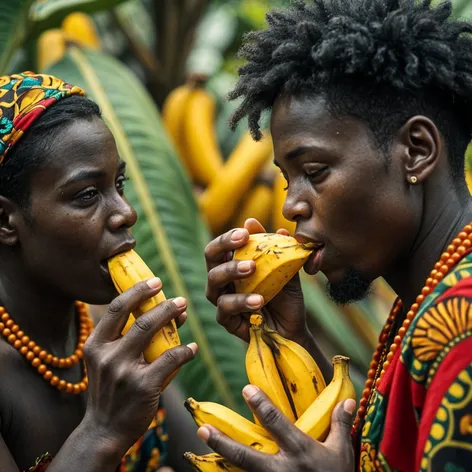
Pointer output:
x,y
442,221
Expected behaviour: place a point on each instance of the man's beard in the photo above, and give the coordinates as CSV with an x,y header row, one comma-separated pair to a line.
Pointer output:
x,y
352,288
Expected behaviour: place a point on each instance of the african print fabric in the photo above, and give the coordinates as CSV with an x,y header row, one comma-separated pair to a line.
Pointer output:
x,y
23,98
420,417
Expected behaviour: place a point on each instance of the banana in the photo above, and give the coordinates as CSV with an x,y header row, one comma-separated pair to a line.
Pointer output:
x,y
127,269
257,205
278,258
200,136
317,418
221,199
280,193
300,373
262,370
80,29
210,463
173,114
233,425
51,48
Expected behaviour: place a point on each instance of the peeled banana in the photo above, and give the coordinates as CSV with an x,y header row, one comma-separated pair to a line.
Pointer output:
x,y
210,463
317,418
200,135
221,199
262,370
233,425
278,258
126,270
299,372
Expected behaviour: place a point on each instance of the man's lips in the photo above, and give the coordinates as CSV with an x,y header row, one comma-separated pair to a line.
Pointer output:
x,y
314,262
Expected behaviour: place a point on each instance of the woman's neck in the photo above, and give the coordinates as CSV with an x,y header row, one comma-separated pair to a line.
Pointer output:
x,y
48,319
442,221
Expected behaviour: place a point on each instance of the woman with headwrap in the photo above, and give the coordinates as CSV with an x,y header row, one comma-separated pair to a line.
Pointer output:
x,y
62,215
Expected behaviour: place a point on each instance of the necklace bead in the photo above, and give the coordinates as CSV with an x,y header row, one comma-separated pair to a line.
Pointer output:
x,y
383,357
40,358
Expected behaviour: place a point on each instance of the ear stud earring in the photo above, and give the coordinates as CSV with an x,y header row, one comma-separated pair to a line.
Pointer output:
x,y
413,179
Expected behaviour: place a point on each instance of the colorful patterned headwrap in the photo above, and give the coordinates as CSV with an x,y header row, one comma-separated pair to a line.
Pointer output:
x,y
23,98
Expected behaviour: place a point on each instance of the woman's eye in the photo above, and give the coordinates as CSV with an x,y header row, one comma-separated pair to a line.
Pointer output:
x,y
120,183
87,195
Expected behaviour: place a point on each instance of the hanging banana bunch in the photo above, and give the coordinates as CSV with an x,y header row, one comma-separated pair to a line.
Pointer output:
x,y
51,48
80,29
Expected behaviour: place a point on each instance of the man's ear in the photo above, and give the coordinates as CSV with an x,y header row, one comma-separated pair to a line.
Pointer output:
x,y
10,216
422,148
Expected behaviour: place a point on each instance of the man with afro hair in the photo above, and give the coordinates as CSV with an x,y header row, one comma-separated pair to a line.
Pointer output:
x,y
371,116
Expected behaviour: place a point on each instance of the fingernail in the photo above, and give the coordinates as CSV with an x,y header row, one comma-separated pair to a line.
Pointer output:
x,y
237,235
249,391
193,347
203,433
154,283
255,301
244,266
349,406
180,302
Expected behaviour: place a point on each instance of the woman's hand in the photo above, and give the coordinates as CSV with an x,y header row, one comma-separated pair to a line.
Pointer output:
x,y
124,390
298,452
285,312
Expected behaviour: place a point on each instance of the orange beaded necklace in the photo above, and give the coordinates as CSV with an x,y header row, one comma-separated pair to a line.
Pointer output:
x,y
381,359
40,359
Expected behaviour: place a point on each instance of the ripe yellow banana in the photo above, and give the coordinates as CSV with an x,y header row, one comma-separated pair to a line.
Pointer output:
x,y
210,463
257,205
173,114
317,418
51,48
278,219
221,199
233,425
262,370
80,29
300,373
126,270
278,258
200,136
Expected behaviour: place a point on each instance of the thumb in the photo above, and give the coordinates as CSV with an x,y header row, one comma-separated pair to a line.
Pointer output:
x,y
341,424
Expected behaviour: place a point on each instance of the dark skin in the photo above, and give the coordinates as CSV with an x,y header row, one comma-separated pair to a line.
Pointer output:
x,y
369,217
52,254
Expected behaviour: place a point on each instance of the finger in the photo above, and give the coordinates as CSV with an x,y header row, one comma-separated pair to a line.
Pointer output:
x,y
171,360
181,319
286,435
283,231
110,326
222,275
254,226
341,423
216,250
231,309
147,325
241,456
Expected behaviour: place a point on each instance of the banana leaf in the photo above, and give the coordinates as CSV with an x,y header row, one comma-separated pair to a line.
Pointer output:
x,y
13,16
46,14
170,233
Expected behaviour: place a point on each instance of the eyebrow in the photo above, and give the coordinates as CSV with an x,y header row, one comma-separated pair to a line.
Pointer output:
x,y
91,174
297,152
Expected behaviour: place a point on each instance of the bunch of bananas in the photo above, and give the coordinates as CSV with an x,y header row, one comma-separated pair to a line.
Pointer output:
x,y
281,368
245,185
